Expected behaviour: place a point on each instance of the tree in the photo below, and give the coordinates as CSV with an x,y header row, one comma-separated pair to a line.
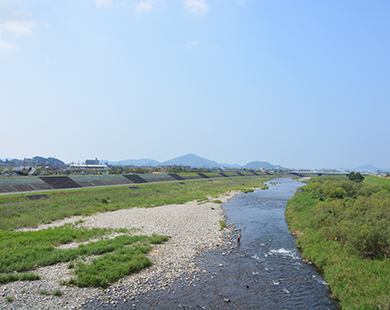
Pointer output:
x,y
357,177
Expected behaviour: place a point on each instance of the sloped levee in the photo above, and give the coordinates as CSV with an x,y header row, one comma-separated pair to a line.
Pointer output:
x,y
176,176
202,175
135,178
60,182
22,184
158,177
32,184
100,180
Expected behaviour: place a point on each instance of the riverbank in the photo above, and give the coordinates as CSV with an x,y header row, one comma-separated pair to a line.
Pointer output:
x,y
342,227
193,227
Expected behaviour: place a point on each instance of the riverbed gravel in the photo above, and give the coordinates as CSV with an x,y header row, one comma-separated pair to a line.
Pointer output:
x,y
193,228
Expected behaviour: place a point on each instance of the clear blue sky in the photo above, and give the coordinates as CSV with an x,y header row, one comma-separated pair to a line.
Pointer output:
x,y
303,84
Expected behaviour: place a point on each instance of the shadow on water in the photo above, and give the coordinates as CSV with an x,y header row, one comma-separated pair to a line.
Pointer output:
x,y
264,271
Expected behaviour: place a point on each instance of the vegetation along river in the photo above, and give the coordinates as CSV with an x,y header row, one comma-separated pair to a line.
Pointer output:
x,y
265,271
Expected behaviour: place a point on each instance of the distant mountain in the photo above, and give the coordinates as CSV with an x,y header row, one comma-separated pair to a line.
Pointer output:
x,y
35,161
230,165
261,164
50,161
367,167
191,160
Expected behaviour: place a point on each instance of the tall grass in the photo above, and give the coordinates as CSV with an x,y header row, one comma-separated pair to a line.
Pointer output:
x,y
342,226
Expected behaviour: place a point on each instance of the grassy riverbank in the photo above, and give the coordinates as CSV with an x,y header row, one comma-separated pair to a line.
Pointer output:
x,y
17,211
23,251
118,257
343,227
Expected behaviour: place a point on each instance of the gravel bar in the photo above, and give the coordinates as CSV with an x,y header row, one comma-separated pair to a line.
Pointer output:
x,y
192,227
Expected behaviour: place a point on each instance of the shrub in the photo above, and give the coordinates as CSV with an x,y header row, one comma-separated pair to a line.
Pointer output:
x,y
338,193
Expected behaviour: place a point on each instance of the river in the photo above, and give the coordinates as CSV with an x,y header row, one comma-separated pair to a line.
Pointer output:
x,y
265,271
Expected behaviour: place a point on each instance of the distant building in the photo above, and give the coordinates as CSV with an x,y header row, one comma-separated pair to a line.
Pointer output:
x,y
87,167
90,162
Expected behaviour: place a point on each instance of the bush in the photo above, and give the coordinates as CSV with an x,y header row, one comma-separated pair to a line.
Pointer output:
x,y
365,238
357,214
338,193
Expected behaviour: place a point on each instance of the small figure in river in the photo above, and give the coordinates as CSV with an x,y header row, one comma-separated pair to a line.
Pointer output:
x,y
239,238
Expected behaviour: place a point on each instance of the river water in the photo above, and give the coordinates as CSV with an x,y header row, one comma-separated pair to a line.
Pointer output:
x,y
272,261
265,271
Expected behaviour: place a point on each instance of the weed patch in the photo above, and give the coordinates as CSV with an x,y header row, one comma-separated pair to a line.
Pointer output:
x,y
22,251
57,293
11,277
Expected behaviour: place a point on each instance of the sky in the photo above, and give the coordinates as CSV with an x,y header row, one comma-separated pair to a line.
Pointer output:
x,y
302,84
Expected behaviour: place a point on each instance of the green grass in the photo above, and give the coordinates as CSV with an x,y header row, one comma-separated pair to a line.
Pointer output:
x,y
57,293
43,292
188,174
342,226
119,257
9,299
374,180
16,211
12,277
222,225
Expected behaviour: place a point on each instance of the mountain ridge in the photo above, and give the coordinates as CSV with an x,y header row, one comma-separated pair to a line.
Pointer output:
x,y
192,160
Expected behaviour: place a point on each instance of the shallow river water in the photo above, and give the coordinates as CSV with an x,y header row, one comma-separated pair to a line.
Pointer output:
x,y
265,271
